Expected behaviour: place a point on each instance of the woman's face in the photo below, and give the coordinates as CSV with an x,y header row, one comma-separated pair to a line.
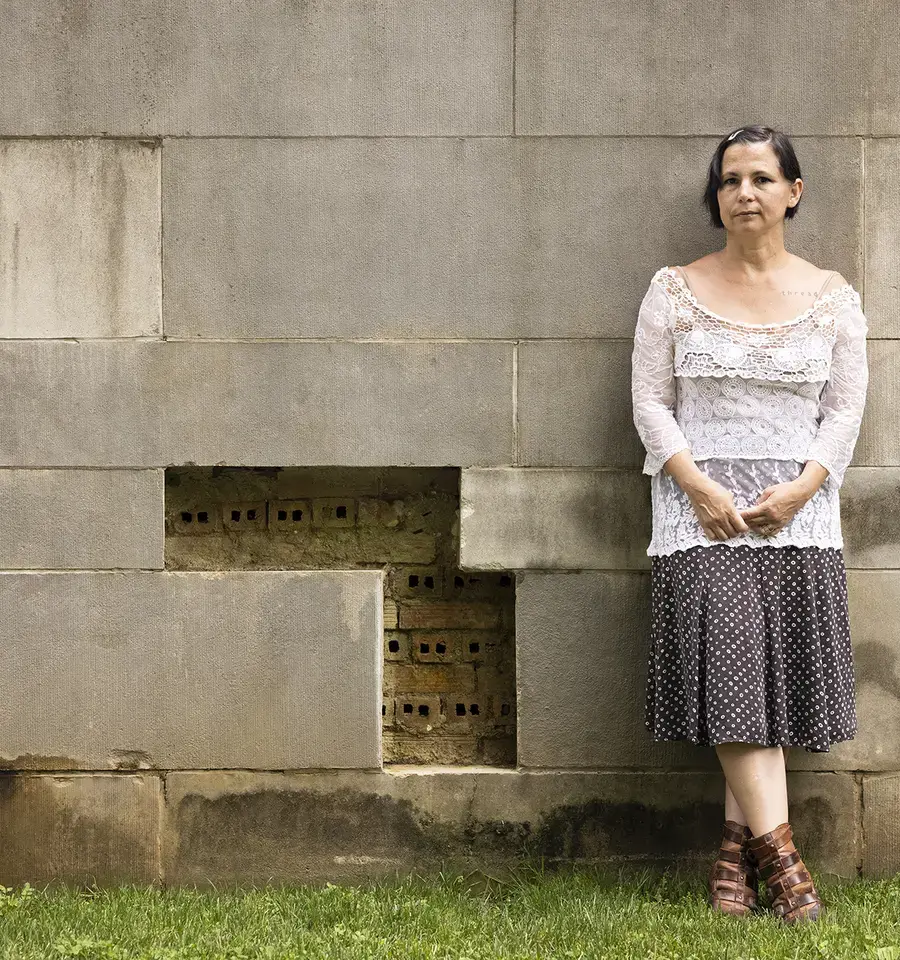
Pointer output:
x,y
754,192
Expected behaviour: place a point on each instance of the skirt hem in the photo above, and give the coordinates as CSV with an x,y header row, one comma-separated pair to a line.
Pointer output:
x,y
708,742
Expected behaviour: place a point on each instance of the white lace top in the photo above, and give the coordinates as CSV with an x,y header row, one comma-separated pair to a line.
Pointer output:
x,y
752,403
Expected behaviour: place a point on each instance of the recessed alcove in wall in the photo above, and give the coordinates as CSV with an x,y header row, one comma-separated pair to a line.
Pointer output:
x,y
449,689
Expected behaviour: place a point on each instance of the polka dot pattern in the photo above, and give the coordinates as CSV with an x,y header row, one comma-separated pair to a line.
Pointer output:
x,y
751,645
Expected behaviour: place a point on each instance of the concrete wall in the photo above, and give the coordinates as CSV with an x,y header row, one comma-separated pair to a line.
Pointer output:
x,y
412,235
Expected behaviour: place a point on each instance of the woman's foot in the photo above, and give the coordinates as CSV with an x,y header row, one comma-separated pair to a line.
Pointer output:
x,y
733,878
791,890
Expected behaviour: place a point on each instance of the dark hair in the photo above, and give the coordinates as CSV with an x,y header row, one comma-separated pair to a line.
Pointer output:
x,y
784,151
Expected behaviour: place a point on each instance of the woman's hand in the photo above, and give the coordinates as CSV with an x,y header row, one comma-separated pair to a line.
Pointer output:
x,y
714,506
775,507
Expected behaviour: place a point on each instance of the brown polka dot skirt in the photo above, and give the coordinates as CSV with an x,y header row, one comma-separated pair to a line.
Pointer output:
x,y
751,645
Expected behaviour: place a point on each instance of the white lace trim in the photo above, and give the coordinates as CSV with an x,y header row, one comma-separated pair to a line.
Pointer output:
x,y
709,345
721,388
734,417
675,523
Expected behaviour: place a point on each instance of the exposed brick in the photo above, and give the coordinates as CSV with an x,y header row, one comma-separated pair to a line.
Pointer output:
x,y
438,614
399,640
413,719
431,678
390,614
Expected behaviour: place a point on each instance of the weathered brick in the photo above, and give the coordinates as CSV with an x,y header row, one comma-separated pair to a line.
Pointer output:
x,y
439,614
429,678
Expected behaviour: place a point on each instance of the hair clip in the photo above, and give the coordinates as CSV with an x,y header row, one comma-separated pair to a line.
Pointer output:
x,y
731,136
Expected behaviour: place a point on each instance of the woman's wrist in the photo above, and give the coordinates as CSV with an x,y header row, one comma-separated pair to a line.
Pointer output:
x,y
812,477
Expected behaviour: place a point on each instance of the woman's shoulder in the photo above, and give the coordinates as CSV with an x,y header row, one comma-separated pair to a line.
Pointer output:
x,y
835,283
807,273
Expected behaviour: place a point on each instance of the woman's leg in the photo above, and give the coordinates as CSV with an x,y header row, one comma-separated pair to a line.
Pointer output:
x,y
732,807
757,782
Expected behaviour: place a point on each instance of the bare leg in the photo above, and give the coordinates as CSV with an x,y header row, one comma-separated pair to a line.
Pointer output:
x,y
756,780
732,807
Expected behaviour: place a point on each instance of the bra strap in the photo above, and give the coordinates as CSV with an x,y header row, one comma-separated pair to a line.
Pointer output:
x,y
824,285
685,278
684,275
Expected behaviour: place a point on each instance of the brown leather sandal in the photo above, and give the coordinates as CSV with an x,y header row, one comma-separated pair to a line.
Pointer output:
x,y
733,878
791,890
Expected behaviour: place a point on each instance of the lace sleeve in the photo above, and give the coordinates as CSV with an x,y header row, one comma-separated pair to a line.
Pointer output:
x,y
653,381
844,395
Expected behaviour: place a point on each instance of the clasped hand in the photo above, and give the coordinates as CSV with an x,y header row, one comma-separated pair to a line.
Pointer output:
x,y
774,509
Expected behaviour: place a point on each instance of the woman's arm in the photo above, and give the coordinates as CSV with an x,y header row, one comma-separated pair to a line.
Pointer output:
x,y
844,396
653,381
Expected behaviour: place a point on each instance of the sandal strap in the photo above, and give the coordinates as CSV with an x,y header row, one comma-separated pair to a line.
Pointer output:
x,y
777,837
734,856
778,863
724,871
785,907
782,885
735,832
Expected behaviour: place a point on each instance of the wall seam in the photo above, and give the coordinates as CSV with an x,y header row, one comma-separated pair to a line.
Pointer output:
x,y
515,403
162,278
864,203
514,15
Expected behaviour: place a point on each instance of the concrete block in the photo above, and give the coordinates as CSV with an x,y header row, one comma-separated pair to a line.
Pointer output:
x,y
364,404
186,69
251,669
145,403
881,801
93,519
81,828
512,248
370,268
98,404
882,228
553,519
574,405
870,517
352,824
80,235
614,69
874,598
879,439
884,85
582,643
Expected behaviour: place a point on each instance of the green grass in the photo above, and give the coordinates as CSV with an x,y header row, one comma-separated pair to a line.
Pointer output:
x,y
529,913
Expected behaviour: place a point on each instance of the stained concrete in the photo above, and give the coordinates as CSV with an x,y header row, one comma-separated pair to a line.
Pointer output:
x,y
79,236
874,599
870,517
80,829
553,519
581,659
314,827
881,801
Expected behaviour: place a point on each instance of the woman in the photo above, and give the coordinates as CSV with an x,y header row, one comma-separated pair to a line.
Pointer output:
x,y
750,639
